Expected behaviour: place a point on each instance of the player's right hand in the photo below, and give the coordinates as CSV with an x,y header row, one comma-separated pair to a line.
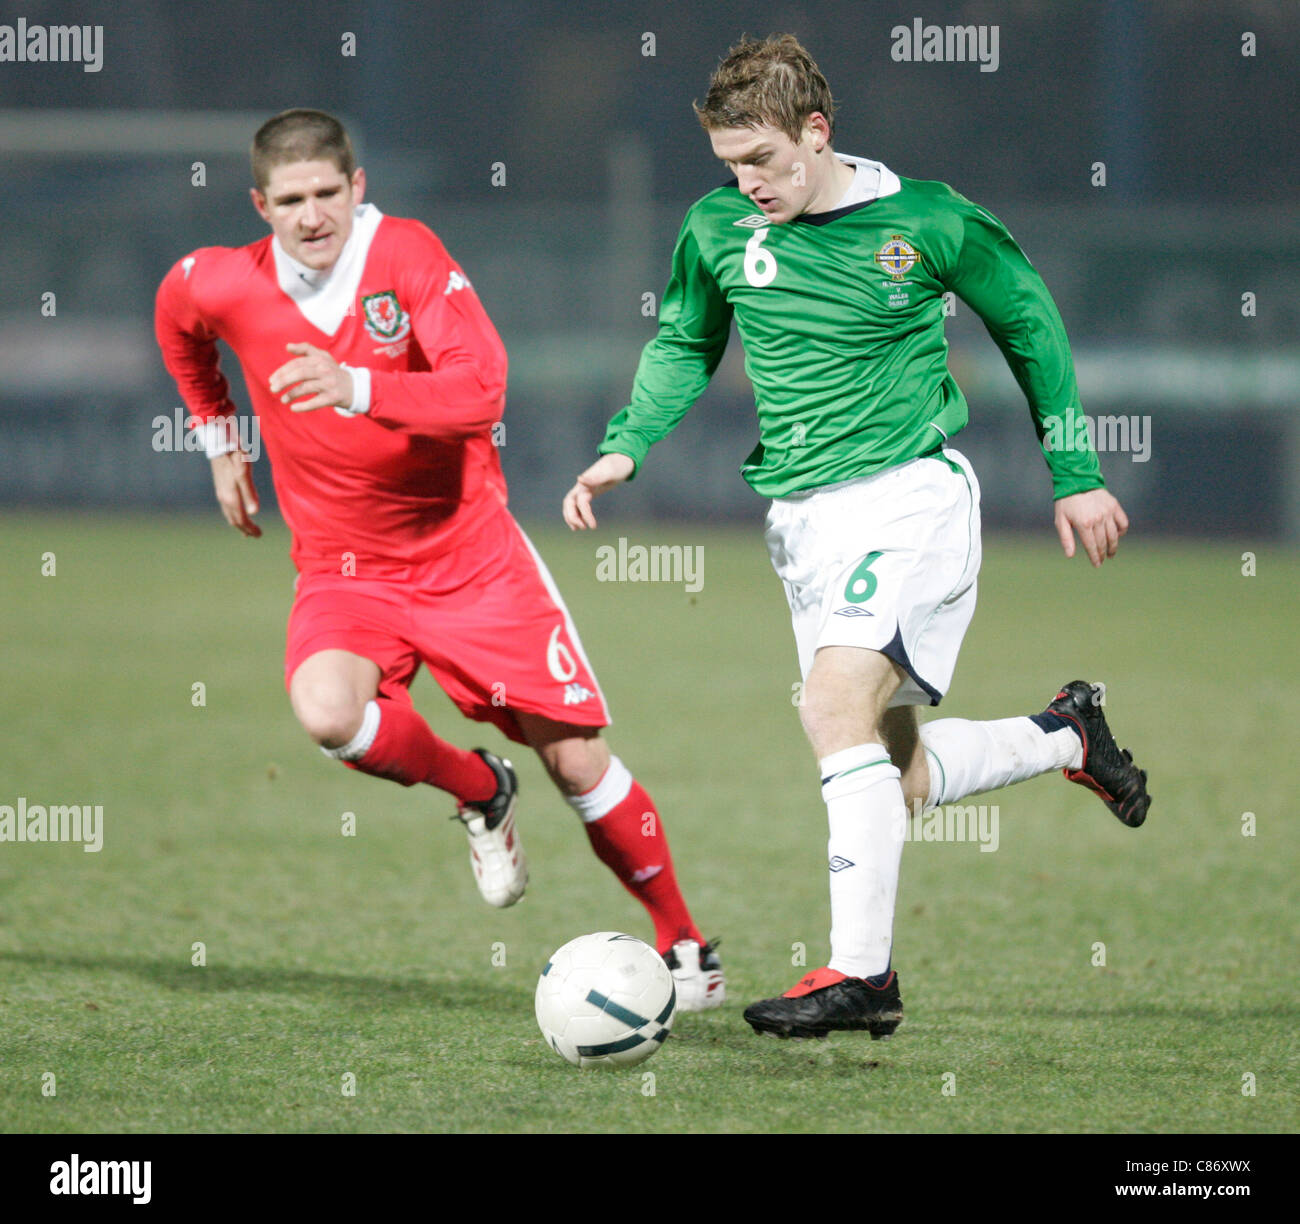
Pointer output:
x,y
232,475
603,475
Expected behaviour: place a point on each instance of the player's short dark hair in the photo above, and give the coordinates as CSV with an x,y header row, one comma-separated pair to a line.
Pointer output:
x,y
774,82
300,135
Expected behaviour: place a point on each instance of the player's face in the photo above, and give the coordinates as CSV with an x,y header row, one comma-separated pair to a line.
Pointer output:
x,y
779,176
309,207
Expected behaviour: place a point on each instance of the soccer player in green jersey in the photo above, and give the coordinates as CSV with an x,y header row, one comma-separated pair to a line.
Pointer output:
x,y
834,269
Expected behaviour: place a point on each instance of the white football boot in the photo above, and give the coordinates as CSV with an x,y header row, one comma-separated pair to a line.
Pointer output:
x,y
697,972
495,852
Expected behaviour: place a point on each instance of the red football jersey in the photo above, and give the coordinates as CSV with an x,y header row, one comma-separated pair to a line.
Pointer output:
x,y
419,472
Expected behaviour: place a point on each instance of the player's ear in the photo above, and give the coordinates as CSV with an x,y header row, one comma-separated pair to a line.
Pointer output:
x,y
817,130
358,185
259,203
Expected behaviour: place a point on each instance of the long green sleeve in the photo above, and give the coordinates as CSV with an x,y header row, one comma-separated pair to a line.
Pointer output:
x,y
675,367
992,275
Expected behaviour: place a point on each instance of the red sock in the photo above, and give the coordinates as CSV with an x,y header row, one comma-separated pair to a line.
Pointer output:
x,y
405,750
628,837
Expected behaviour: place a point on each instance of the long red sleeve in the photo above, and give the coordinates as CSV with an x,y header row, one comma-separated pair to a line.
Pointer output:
x,y
463,393
189,345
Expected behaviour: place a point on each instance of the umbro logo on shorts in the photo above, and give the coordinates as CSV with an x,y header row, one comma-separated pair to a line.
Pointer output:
x,y
838,863
853,610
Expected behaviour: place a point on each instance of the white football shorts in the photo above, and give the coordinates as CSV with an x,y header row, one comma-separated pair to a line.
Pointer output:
x,y
885,562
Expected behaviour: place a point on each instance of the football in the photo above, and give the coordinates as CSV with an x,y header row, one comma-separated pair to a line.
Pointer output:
x,y
605,1000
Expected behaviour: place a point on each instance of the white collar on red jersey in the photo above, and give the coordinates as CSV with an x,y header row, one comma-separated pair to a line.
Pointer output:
x,y
326,297
871,181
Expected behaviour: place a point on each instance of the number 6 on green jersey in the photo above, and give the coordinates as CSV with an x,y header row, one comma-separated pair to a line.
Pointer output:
x,y
760,263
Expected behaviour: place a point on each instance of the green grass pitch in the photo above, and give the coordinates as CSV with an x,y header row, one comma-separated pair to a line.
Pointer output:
x,y
371,955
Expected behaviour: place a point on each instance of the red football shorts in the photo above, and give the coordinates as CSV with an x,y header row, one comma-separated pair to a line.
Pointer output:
x,y
486,620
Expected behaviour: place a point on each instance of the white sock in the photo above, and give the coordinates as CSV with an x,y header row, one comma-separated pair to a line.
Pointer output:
x,y
867,814
606,795
359,744
968,758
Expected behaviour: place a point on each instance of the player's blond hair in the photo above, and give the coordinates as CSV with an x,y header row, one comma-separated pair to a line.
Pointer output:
x,y
300,135
773,83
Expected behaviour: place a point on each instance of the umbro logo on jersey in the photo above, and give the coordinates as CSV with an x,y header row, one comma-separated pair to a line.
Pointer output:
x,y
576,694
753,221
838,864
384,317
853,610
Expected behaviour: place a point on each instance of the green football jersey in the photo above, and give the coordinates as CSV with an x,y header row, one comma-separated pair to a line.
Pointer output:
x,y
841,316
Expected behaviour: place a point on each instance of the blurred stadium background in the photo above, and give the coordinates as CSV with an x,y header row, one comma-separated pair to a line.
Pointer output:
x,y
601,155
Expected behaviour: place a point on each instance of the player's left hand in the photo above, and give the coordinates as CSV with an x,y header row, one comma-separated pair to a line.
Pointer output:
x,y
1097,517
312,380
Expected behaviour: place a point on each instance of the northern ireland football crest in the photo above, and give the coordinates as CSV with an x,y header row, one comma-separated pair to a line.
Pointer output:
x,y
384,317
897,257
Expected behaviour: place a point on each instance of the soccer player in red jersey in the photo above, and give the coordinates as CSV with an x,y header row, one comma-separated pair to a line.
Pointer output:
x,y
377,379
